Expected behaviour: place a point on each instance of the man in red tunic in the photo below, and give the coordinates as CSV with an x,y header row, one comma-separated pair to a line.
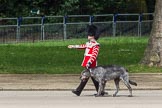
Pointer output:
x,y
90,56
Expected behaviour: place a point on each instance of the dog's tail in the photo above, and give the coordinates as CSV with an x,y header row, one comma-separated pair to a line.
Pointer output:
x,y
133,83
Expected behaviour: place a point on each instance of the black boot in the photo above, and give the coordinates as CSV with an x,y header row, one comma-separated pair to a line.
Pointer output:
x,y
96,84
79,89
76,92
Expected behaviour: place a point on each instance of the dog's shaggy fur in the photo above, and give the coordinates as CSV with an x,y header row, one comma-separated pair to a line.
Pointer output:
x,y
106,73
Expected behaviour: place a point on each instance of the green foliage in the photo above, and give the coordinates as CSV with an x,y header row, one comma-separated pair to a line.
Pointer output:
x,y
69,6
16,8
53,57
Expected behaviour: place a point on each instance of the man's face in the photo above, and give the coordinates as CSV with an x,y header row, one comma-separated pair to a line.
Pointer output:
x,y
90,37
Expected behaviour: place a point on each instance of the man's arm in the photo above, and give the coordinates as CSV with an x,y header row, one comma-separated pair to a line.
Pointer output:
x,y
94,54
82,46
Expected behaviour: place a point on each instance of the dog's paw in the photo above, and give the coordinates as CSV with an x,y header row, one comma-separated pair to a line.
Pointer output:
x,y
130,96
114,95
104,93
98,95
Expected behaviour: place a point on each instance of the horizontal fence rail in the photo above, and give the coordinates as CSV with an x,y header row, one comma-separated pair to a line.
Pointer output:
x,y
24,29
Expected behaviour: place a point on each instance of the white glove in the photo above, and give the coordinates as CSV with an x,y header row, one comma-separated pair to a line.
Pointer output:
x,y
88,65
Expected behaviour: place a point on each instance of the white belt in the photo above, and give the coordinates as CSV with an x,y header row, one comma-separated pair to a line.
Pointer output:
x,y
88,55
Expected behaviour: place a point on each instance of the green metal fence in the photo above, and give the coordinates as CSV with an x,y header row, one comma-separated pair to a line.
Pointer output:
x,y
24,29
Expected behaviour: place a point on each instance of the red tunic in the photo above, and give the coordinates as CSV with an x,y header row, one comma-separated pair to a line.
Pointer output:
x,y
91,53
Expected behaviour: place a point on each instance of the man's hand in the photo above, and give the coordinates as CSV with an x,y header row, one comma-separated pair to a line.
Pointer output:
x,y
88,65
71,46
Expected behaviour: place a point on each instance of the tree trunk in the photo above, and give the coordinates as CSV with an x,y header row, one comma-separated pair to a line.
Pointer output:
x,y
153,52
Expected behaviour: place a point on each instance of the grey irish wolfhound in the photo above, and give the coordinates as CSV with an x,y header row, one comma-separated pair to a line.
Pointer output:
x,y
102,74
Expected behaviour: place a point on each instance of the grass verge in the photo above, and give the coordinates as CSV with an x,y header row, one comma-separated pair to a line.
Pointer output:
x,y
53,57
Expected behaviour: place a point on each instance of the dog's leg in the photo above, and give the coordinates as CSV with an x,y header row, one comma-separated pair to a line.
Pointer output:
x,y
117,80
100,88
128,86
103,90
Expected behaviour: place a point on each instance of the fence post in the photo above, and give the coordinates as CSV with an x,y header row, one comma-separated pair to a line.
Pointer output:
x,y
139,25
114,24
42,28
64,26
91,19
19,20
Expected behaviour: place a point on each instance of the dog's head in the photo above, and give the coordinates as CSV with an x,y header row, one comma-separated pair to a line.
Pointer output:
x,y
85,75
